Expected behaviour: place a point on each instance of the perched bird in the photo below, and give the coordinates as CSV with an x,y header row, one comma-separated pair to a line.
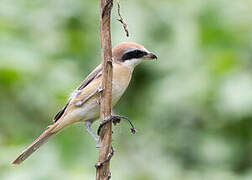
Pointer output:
x,y
83,104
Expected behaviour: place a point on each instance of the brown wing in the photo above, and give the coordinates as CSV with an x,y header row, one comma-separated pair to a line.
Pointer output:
x,y
60,113
93,75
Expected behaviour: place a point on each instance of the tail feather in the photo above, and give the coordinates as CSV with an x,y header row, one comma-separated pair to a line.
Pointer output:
x,y
43,138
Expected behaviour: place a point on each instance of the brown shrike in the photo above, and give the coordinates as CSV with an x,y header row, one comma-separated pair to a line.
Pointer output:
x,y
83,104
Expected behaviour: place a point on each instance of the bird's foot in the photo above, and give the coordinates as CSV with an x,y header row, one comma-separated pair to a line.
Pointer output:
x,y
116,119
110,155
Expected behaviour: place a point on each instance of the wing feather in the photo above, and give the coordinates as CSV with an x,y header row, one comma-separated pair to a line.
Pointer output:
x,y
93,75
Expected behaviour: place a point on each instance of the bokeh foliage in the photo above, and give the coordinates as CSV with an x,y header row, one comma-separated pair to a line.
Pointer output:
x,y
192,107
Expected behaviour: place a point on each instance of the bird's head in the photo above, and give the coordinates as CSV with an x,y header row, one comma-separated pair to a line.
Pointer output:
x,y
130,54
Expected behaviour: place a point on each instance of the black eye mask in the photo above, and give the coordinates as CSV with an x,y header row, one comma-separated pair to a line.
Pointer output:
x,y
133,54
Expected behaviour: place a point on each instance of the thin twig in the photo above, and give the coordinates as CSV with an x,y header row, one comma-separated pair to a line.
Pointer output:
x,y
121,19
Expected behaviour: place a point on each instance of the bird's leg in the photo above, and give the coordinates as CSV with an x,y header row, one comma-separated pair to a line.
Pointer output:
x,y
110,155
116,119
91,132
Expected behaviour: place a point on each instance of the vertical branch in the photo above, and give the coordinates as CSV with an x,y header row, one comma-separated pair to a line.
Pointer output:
x,y
103,172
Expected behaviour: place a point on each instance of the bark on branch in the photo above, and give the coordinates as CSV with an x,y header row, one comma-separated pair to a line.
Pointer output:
x,y
103,172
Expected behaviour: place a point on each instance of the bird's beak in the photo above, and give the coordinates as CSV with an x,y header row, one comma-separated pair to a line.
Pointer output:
x,y
150,56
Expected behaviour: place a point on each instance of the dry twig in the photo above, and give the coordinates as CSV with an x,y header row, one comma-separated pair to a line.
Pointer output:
x,y
121,20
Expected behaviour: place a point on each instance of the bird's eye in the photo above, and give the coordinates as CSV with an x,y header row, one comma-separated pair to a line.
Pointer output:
x,y
133,54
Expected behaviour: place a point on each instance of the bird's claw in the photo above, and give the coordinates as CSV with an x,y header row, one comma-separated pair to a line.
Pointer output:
x,y
110,155
116,119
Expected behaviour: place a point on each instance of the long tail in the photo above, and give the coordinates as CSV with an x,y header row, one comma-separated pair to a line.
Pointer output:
x,y
43,138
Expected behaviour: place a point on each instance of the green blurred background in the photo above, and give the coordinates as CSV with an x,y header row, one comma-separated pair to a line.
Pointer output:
x,y
192,107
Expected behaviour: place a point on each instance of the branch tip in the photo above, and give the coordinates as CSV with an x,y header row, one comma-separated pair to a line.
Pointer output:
x,y
121,20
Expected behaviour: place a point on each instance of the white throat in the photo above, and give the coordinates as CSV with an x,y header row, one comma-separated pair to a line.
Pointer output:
x,y
131,63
